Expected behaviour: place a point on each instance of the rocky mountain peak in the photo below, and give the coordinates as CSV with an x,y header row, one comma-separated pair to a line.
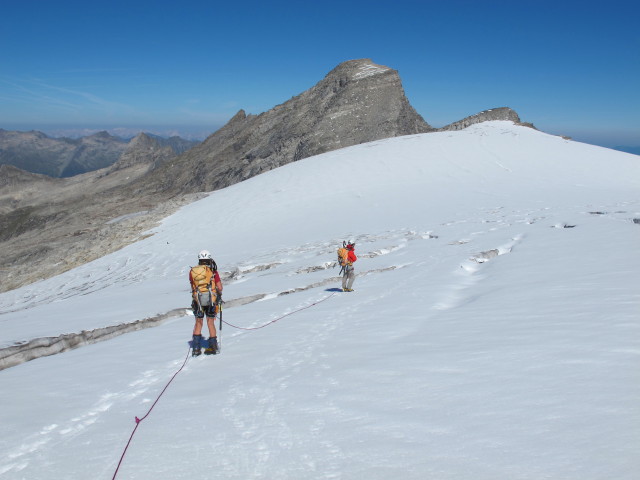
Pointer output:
x,y
356,70
357,102
142,140
143,150
238,117
103,134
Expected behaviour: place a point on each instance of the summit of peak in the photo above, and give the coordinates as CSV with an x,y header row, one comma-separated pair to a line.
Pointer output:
x,y
370,69
361,68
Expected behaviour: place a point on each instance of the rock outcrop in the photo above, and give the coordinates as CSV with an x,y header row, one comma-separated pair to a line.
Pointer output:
x,y
356,102
146,150
503,113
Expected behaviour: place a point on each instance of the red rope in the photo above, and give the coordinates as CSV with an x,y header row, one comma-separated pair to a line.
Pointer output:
x,y
138,420
279,318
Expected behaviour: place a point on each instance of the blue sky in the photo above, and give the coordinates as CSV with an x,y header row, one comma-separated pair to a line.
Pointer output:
x,y
569,67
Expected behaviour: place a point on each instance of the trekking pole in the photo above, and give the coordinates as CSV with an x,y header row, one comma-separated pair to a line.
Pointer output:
x,y
220,302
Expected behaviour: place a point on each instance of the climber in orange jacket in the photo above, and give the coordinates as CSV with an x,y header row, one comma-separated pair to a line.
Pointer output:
x,y
347,264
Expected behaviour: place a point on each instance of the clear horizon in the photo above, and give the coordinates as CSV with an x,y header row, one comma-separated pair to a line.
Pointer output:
x,y
569,68
198,133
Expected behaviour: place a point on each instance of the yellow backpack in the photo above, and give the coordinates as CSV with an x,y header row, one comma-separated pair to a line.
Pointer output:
x,y
343,254
201,275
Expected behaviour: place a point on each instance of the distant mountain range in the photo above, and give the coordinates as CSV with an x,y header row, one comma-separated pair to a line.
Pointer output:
x,y
65,157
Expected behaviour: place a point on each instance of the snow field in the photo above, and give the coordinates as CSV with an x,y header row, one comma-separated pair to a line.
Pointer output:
x,y
484,339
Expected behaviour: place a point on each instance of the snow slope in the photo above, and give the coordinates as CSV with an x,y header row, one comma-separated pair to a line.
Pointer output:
x,y
493,332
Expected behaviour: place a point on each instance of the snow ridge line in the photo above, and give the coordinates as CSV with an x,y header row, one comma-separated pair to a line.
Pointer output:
x,y
139,420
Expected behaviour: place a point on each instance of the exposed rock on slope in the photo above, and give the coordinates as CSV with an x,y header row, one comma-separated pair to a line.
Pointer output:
x,y
356,102
144,150
93,153
502,113
14,177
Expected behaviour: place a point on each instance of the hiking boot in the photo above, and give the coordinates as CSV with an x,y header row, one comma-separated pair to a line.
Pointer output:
x,y
195,345
212,349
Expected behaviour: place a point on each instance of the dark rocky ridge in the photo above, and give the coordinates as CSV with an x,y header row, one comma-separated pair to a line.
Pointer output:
x,y
502,113
356,102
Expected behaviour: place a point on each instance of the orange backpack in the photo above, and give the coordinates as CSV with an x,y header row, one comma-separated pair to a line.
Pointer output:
x,y
343,255
201,276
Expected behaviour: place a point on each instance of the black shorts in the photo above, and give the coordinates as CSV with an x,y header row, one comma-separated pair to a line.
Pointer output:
x,y
209,310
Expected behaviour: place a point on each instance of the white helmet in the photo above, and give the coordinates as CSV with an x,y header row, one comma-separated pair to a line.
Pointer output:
x,y
205,255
